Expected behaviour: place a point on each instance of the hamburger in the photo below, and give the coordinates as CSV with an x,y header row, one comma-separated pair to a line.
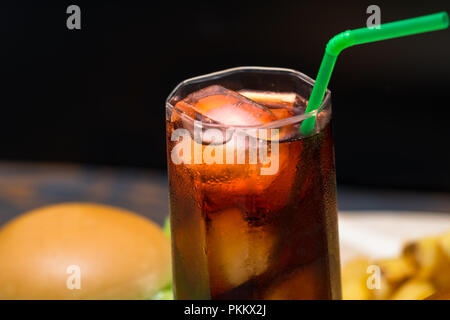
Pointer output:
x,y
83,251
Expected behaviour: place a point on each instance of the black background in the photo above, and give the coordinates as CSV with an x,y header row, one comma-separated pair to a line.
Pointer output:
x,y
177,308
96,95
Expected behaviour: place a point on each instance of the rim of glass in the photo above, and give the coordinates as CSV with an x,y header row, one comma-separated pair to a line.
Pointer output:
x,y
272,124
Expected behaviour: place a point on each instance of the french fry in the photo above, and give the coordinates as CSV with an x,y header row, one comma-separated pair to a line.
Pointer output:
x,y
354,280
414,289
444,242
396,270
431,260
441,276
385,291
356,290
440,295
421,270
424,253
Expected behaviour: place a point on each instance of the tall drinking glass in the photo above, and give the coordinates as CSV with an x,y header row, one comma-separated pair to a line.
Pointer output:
x,y
252,199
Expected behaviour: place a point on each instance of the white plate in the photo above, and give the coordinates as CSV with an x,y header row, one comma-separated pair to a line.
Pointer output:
x,y
381,234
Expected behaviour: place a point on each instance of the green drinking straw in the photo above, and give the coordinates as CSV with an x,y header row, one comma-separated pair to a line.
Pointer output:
x,y
350,38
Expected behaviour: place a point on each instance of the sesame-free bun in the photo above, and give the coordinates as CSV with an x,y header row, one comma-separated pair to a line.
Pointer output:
x,y
110,253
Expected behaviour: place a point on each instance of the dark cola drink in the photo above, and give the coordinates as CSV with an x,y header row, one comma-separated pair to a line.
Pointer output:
x,y
252,199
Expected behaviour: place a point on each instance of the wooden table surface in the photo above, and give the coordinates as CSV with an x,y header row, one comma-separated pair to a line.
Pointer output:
x,y
25,186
